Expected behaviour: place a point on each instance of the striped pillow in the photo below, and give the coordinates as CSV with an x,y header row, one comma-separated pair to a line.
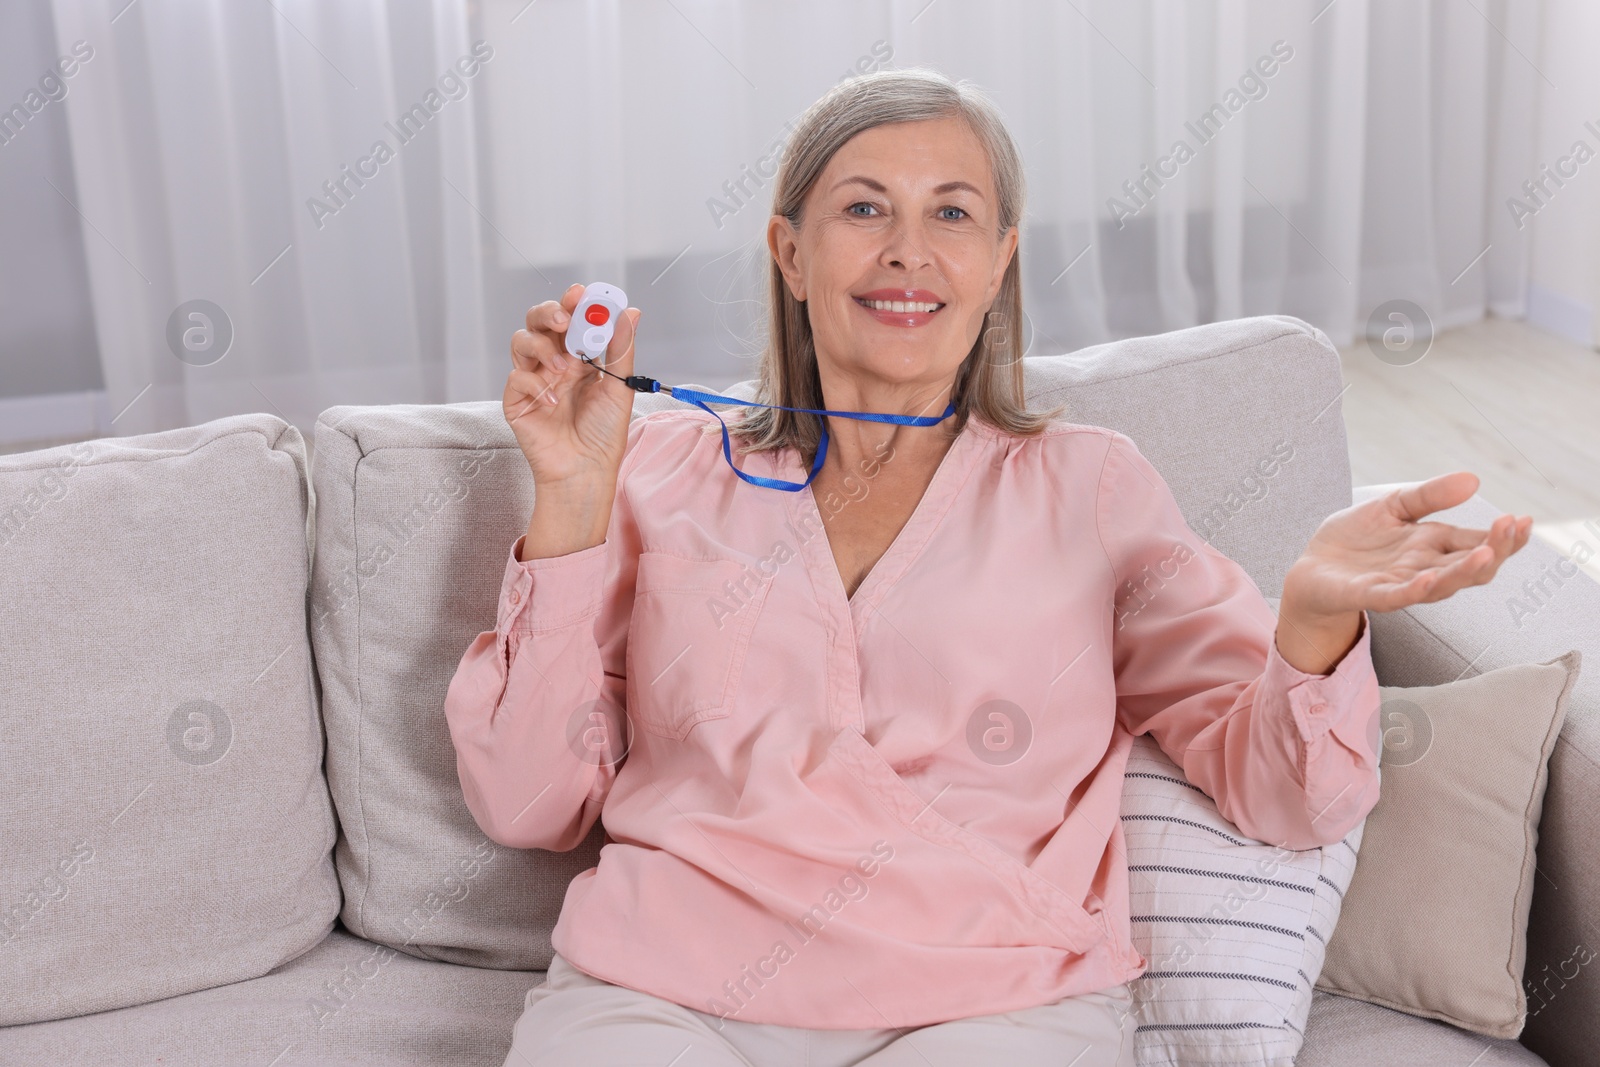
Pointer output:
x,y
1234,930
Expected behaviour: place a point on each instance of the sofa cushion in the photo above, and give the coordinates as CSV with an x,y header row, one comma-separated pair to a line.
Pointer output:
x,y
351,1003
1351,1033
346,1003
166,824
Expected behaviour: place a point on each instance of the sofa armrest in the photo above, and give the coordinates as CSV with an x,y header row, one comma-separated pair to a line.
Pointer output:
x,y
1538,606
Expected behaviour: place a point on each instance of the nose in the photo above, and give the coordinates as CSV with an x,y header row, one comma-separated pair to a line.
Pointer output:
x,y
903,246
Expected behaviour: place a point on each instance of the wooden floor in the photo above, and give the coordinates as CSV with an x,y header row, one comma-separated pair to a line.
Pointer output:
x,y
1518,407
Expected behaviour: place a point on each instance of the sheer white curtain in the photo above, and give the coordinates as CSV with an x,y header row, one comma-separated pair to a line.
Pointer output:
x,y
1338,155
202,135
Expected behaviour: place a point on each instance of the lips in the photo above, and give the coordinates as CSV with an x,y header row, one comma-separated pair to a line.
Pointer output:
x,y
900,307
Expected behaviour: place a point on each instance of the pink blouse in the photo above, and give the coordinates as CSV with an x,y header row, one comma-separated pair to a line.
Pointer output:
x,y
900,807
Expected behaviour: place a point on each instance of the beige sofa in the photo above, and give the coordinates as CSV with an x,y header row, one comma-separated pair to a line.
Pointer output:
x,y
232,830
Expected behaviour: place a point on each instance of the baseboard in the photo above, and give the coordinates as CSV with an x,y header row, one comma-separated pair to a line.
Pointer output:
x,y
1561,315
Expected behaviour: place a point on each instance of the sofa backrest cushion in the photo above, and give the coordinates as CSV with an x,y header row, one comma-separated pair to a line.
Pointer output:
x,y
418,504
164,825
415,503
1242,418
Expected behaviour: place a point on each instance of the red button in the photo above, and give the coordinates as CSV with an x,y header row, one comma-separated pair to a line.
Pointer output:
x,y
597,314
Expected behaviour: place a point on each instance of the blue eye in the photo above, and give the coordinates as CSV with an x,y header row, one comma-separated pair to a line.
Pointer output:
x,y
860,203
962,210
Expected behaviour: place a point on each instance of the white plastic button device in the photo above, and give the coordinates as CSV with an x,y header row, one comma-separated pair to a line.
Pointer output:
x,y
593,320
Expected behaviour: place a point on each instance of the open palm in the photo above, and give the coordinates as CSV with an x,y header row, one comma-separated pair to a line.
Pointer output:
x,y
1380,556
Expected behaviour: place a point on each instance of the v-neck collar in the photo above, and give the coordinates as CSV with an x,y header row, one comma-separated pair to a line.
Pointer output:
x,y
805,515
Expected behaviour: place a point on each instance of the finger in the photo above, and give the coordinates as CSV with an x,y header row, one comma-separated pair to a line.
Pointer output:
x,y
538,351
1506,535
1509,541
1475,568
535,389
1457,538
551,319
1435,494
1502,535
539,315
1509,538
1391,596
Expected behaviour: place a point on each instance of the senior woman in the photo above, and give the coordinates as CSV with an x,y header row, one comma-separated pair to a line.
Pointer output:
x,y
858,740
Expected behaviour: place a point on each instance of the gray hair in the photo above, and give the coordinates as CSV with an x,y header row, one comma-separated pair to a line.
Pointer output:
x,y
990,382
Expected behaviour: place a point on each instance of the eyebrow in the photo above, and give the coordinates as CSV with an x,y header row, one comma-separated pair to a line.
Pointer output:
x,y
877,186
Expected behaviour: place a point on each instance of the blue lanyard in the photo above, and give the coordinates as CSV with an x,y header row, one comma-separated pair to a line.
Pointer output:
x,y
640,383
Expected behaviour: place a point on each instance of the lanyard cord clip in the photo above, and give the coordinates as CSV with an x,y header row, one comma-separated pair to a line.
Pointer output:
x,y
637,382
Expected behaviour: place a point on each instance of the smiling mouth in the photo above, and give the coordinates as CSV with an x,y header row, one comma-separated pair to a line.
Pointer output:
x,y
899,306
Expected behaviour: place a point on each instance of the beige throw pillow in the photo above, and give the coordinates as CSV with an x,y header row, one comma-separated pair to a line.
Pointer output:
x,y
1436,917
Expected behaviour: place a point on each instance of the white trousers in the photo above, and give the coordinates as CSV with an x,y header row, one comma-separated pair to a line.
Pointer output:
x,y
577,1020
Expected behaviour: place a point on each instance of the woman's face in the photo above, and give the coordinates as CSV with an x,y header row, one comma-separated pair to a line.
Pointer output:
x,y
897,255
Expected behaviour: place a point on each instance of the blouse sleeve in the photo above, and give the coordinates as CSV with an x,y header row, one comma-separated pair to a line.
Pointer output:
x,y
1290,758
537,706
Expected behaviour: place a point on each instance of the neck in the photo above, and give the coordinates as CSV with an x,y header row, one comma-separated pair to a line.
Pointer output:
x,y
858,445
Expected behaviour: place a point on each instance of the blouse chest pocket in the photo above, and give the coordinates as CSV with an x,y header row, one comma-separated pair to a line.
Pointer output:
x,y
688,638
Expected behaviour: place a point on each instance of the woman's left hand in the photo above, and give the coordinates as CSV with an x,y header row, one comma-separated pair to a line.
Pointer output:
x,y
1378,556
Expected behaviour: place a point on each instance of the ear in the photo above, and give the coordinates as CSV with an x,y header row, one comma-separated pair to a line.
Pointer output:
x,y
784,244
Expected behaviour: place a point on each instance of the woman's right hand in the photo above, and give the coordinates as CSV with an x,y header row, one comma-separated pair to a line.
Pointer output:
x,y
570,420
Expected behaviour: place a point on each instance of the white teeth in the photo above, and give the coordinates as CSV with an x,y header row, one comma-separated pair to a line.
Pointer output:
x,y
900,305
